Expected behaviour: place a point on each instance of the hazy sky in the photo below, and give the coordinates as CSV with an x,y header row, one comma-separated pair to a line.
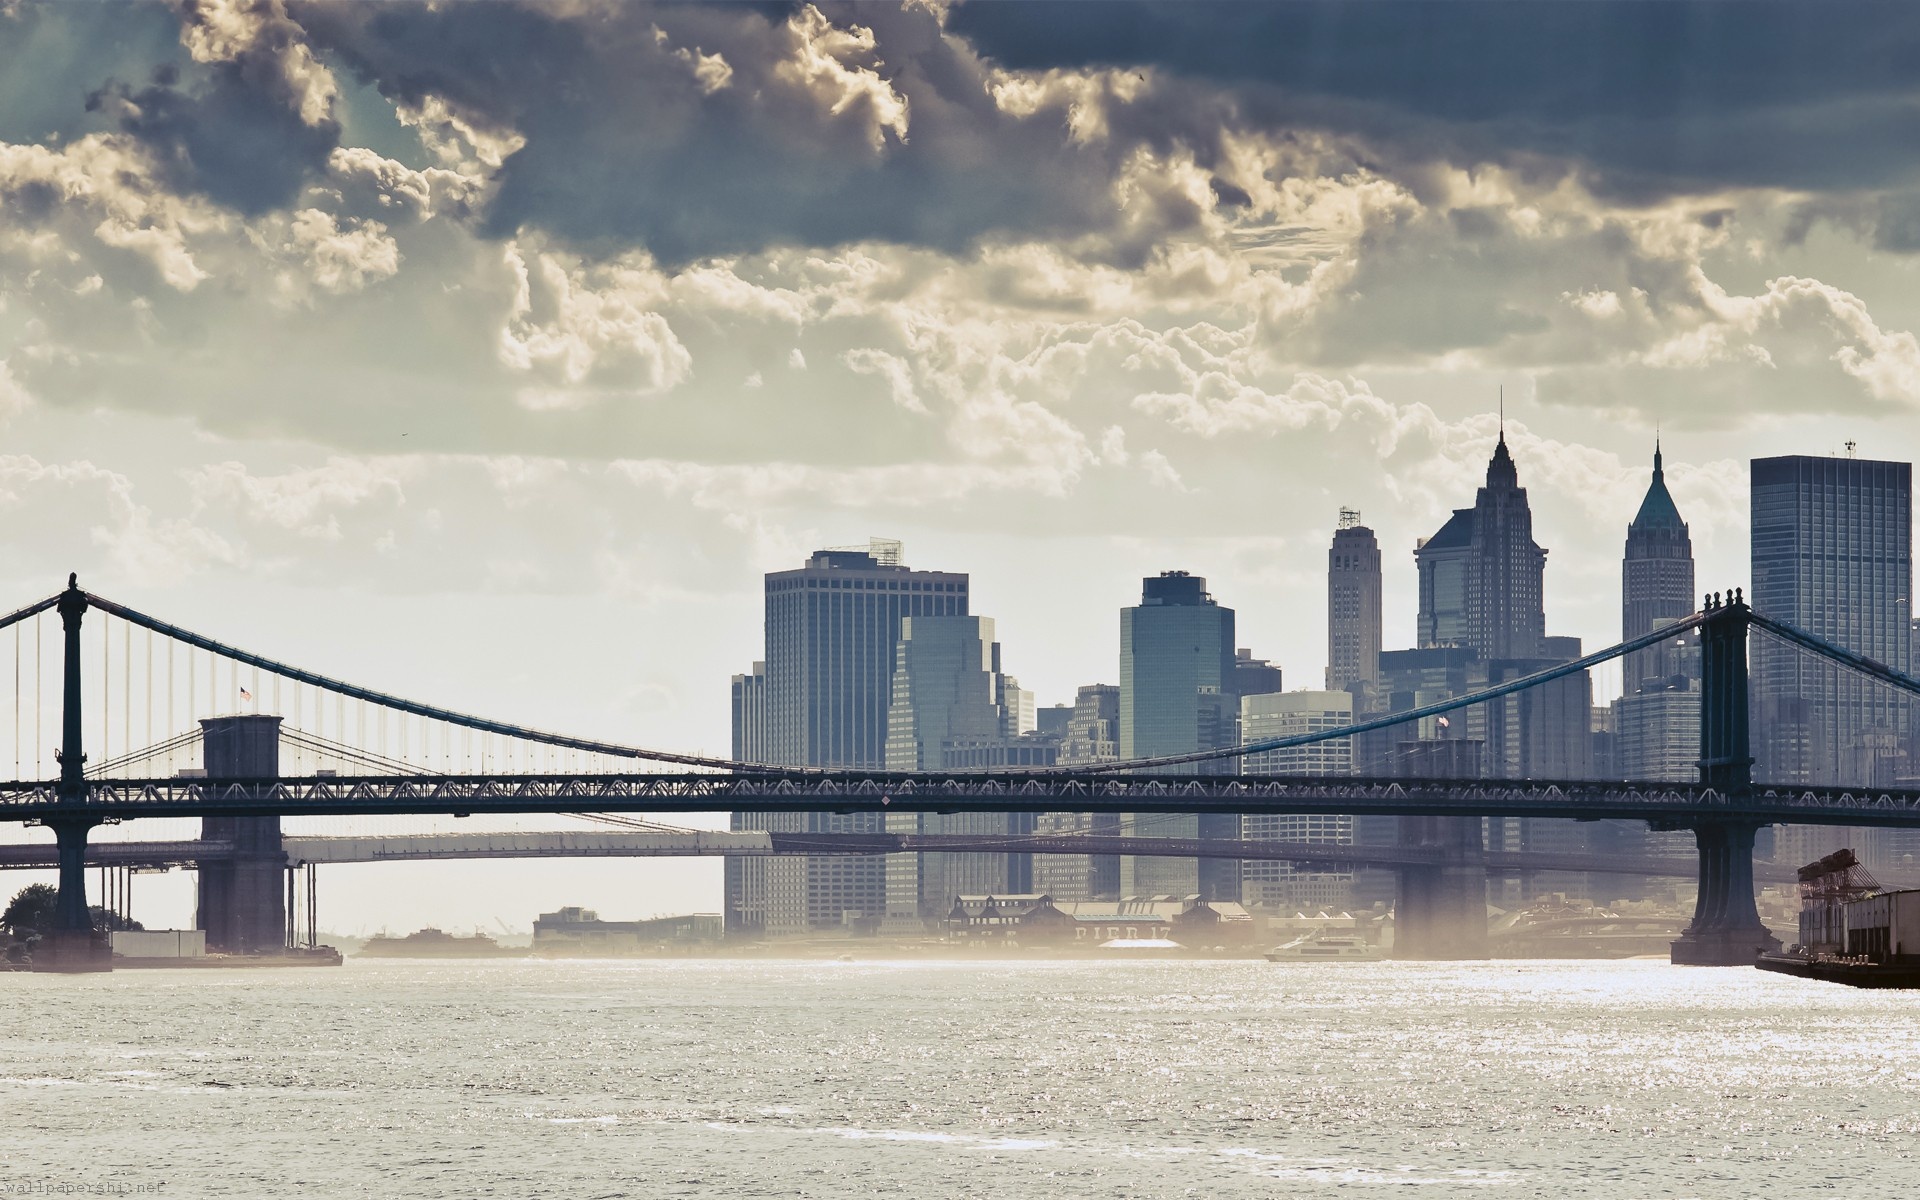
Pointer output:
x,y
490,353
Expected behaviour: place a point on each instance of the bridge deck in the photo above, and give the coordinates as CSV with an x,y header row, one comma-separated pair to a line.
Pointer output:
x,y
570,844
1671,804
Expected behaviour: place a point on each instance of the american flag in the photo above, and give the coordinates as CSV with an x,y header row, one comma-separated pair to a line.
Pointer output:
x,y
245,694
1444,723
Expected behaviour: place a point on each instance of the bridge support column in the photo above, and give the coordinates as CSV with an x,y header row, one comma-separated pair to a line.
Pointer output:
x,y
72,944
1726,929
1441,912
242,905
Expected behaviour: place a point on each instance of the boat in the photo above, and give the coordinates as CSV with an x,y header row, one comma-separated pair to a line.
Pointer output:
x,y
1325,947
436,943
1852,931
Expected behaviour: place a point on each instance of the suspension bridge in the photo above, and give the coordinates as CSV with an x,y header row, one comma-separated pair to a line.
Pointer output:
x,y
332,748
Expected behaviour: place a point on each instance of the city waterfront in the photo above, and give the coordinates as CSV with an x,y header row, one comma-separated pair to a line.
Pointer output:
x,y
1045,1079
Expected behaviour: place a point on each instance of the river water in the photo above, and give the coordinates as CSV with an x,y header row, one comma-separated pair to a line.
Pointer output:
x,y
1068,1079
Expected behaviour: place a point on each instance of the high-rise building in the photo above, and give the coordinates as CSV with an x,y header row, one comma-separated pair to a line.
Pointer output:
x,y
749,707
1092,736
949,711
1832,555
832,630
1656,720
1353,610
1482,575
1263,718
1656,579
745,879
1176,696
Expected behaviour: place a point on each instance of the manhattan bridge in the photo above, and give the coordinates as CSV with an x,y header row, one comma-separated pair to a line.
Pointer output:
x,y
356,751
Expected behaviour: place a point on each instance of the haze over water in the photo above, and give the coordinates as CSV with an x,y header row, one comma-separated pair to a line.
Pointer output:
x,y
1069,1079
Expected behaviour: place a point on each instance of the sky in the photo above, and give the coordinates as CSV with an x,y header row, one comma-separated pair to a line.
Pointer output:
x,y
489,353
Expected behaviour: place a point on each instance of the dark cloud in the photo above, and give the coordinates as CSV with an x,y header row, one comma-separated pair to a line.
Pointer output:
x,y
234,130
219,139
623,145
1655,98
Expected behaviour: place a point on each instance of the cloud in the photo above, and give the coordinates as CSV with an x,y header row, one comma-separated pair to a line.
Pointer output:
x,y
573,323
1647,101
251,125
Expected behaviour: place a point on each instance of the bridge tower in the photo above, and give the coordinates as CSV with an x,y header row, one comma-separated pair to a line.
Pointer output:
x,y
1726,930
242,906
1440,912
72,944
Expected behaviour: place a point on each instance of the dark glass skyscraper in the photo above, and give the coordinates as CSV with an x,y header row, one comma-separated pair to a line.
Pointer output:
x,y
1176,696
1832,555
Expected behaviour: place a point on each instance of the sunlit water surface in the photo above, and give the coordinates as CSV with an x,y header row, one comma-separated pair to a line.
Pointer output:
x,y
1073,1079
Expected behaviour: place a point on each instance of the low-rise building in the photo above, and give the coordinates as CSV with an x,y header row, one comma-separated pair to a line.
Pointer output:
x,y
1036,919
574,932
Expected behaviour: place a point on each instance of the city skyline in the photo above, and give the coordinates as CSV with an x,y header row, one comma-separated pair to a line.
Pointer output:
x,y
447,387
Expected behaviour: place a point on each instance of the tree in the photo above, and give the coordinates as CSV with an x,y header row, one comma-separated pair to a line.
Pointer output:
x,y
31,911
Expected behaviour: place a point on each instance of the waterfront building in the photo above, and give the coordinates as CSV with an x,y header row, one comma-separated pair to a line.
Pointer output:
x,y
574,932
1353,611
1036,918
832,631
1176,696
1263,718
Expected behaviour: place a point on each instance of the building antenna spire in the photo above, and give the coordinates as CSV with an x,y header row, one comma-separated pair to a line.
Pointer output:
x,y
1503,413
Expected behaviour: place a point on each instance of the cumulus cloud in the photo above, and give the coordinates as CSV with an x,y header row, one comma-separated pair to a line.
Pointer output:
x,y
572,324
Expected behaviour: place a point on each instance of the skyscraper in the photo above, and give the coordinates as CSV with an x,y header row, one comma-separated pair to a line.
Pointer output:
x,y
1832,555
1482,575
950,703
1176,696
1657,718
1656,577
1353,611
832,629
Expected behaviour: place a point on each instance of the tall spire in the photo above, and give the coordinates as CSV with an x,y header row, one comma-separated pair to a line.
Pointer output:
x,y
1657,511
1503,414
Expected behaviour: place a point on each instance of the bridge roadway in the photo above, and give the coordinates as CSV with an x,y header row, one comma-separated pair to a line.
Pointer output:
x,y
440,846
1669,805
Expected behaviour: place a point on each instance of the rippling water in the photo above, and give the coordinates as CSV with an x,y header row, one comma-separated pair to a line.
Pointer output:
x,y
1074,1079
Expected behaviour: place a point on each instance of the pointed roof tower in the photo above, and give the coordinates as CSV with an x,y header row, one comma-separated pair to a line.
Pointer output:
x,y
1501,471
1657,511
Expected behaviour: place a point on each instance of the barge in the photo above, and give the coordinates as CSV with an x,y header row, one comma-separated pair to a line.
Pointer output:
x,y
1852,931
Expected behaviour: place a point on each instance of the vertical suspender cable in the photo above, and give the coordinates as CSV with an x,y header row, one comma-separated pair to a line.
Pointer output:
x,y
149,687
126,685
16,700
37,697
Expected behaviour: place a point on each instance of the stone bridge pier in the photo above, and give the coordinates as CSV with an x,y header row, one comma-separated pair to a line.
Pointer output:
x,y
1726,930
242,901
